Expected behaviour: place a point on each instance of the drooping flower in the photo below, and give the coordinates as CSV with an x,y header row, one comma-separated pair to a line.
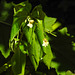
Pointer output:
x,y
30,24
45,42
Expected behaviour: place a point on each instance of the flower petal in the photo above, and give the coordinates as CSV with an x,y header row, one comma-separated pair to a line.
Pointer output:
x,y
30,25
45,42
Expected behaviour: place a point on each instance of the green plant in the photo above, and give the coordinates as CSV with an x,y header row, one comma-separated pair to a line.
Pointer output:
x,y
33,34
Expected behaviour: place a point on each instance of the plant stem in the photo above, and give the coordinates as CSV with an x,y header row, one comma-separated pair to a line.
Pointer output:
x,y
5,23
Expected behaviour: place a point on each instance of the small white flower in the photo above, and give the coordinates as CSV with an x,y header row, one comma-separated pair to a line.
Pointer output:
x,y
45,42
30,25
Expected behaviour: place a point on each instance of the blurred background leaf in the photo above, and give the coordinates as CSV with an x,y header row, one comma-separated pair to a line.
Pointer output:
x,y
4,40
64,55
69,73
18,62
6,14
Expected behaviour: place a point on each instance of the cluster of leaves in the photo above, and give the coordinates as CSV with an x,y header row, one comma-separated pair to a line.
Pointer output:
x,y
28,41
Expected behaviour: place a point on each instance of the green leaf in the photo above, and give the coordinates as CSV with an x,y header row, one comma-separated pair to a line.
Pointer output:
x,y
18,62
38,13
22,9
4,40
48,23
48,57
40,34
35,51
63,31
40,31
28,34
15,28
20,14
55,26
23,49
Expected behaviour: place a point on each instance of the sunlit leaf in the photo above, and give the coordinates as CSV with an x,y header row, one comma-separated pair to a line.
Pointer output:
x,y
23,49
15,28
28,33
40,34
48,22
55,26
48,57
35,51
20,14
40,31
